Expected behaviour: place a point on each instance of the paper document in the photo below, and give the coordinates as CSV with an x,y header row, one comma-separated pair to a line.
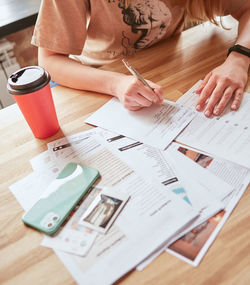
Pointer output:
x,y
214,185
152,164
104,209
156,126
139,229
193,245
204,191
227,136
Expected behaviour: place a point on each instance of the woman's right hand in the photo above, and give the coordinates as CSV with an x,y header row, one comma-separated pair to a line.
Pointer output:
x,y
134,95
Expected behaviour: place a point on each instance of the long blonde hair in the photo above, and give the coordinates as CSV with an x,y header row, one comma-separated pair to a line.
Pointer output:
x,y
197,10
203,10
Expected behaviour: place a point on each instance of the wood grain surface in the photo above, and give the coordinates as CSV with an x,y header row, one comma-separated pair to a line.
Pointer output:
x,y
176,64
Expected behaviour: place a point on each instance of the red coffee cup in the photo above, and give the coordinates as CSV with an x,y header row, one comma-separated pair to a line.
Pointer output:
x,y
31,90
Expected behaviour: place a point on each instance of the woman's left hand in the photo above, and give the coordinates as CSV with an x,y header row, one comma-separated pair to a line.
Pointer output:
x,y
224,83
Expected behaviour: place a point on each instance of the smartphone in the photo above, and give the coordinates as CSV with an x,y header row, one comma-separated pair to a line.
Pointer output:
x,y
60,198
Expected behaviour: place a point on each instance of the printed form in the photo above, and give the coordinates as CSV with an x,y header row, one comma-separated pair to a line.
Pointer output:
x,y
227,136
192,246
156,126
204,190
139,230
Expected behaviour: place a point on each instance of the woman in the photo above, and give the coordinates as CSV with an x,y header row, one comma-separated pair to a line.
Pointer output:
x,y
73,36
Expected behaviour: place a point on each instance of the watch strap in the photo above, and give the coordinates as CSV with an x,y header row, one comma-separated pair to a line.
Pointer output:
x,y
240,49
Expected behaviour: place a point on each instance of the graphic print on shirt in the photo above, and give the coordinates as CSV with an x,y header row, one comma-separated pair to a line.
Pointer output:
x,y
127,45
149,19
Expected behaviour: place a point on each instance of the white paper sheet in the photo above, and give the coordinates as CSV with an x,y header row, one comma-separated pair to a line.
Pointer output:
x,y
104,210
227,136
156,126
111,166
193,246
154,165
214,185
141,227
30,188
121,251
72,241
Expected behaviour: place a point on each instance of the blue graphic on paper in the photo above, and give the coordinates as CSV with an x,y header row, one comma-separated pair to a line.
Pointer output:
x,y
183,194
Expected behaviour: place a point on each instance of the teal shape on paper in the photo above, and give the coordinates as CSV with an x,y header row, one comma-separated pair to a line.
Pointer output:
x,y
181,191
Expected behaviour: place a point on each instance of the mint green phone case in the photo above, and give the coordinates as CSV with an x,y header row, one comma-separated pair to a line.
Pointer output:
x,y
60,198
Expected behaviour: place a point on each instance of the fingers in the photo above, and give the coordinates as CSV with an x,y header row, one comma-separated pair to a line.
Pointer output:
x,y
134,108
219,99
215,98
238,95
203,83
136,102
205,94
155,95
138,95
223,86
158,90
140,100
224,101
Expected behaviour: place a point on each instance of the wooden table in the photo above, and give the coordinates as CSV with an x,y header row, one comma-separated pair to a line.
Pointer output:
x,y
16,15
176,64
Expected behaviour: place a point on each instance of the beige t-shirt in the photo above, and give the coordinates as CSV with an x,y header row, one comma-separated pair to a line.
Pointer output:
x,y
98,31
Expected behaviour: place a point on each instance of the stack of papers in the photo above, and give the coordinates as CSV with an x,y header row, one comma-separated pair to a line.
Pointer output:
x,y
180,196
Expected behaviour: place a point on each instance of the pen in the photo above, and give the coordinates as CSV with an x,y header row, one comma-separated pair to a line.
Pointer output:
x,y
136,74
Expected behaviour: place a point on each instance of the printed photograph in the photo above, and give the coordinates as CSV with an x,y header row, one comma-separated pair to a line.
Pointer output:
x,y
103,211
202,159
191,244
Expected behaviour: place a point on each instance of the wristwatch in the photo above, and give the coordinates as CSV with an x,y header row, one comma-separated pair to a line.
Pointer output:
x,y
239,49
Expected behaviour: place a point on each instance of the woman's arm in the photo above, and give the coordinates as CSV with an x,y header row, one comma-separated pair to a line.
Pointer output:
x,y
227,81
68,72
